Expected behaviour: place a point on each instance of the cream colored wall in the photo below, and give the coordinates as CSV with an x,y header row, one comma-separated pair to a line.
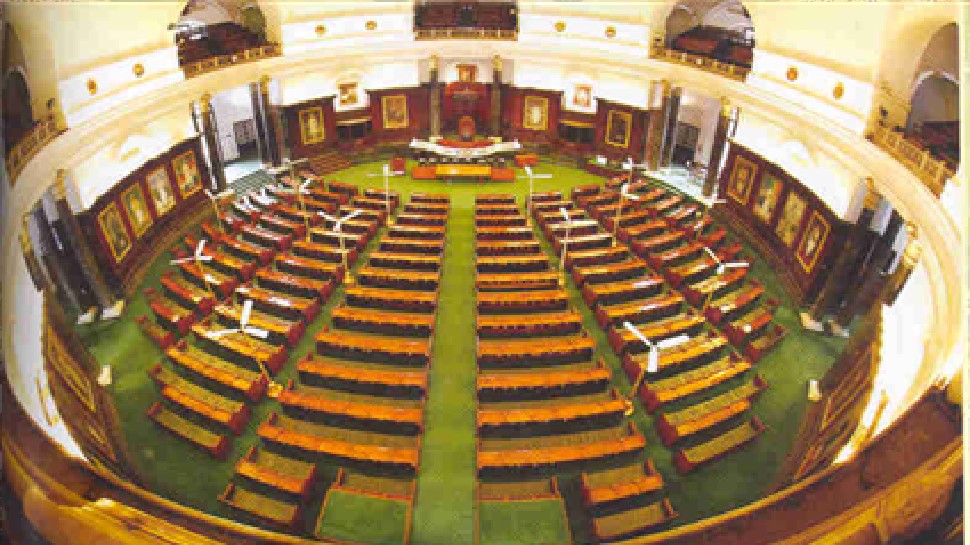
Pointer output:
x,y
30,22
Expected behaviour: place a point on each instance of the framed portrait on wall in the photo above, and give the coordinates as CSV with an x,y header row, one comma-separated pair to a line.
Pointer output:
x,y
114,231
347,93
535,113
311,126
187,176
133,200
791,219
395,111
766,199
742,178
618,125
583,96
812,241
160,190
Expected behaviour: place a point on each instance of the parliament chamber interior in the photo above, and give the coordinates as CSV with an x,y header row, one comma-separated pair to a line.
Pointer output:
x,y
483,272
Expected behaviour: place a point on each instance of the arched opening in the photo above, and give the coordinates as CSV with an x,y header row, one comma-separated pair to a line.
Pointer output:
x,y
209,28
18,117
934,115
717,29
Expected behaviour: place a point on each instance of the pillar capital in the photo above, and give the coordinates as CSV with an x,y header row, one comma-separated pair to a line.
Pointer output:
x,y
264,84
205,102
59,187
497,63
434,62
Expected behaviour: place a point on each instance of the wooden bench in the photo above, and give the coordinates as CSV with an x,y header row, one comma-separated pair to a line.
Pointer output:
x,y
528,325
697,351
598,274
170,314
658,392
283,514
542,384
512,263
645,230
208,278
633,522
323,235
379,277
504,248
599,256
164,338
406,420
674,426
737,302
391,299
405,261
313,269
416,232
255,353
295,285
324,252
609,486
396,350
547,280
249,383
494,198
714,286
523,301
281,330
265,237
570,412
622,291
280,304
360,377
503,233
426,247
756,348
623,341
213,443
686,460
640,310
188,294
500,221
537,351
276,471
383,321
216,408
248,250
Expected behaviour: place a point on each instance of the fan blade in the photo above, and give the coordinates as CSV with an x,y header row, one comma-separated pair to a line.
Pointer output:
x,y
326,216
203,258
256,332
353,214
210,279
386,169
528,170
565,214
636,333
653,360
247,311
183,260
735,265
673,341
226,193
542,176
220,333
712,254
200,248
208,193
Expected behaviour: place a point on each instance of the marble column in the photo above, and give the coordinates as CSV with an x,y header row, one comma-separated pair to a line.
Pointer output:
x,y
217,170
655,125
496,125
718,147
671,108
434,106
111,305
260,121
272,123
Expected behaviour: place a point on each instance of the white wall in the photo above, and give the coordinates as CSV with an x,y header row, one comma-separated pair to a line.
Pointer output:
x,y
229,107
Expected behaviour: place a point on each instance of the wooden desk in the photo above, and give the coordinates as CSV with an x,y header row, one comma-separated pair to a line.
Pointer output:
x,y
322,235
299,286
623,341
491,461
373,203
507,248
502,385
658,392
517,281
558,414
497,209
718,285
640,310
546,196
379,277
405,420
358,226
687,460
171,315
411,262
316,369
747,326
598,274
500,221
530,352
283,226
737,302
517,301
188,294
512,263
525,325
373,348
249,383
280,330
296,214
241,347
214,407
585,190
659,243
391,299
247,250
427,208
416,232
697,351
314,269
622,291
585,242
265,237
412,246
494,198
279,472
597,256
674,426
611,485
542,207
433,198
383,321
281,304
215,444
676,256
463,171
323,252
208,278
646,229
504,233
349,190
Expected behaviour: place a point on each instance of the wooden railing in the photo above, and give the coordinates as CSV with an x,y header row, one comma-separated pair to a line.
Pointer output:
x,y
932,171
465,34
215,63
704,63
25,150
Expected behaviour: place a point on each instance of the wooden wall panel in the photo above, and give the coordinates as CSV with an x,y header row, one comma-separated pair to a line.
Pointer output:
x,y
803,277
638,131
294,136
513,104
417,101
121,275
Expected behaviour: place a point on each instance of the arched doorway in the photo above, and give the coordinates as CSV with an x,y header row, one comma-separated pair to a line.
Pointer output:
x,y
934,114
18,117
717,29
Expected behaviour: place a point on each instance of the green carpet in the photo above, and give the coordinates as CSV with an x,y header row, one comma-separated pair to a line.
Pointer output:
x,y
352,517
533,522
444,505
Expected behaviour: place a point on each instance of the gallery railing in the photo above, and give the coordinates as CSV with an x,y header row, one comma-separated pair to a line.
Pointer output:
x,y
28,146
465,34
215,63
932,171
704,63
